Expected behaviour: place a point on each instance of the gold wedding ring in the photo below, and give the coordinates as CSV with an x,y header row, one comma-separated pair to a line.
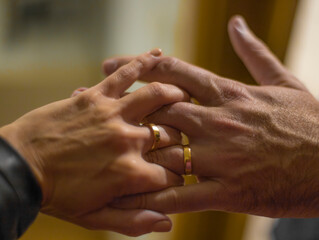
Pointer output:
x,y
187,154
185,140
188,168
156,134
194,100
187,160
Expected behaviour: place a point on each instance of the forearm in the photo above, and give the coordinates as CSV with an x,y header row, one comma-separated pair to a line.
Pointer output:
x,y
20,195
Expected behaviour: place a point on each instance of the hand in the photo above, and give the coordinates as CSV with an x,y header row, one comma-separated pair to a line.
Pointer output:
x,y
88,150
254,148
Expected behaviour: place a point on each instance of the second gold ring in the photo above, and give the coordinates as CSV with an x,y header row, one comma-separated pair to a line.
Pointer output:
x,y
188,160
156,134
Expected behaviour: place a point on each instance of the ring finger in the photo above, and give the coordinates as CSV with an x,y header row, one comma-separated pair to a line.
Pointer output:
x,y
167,137
171,158
175,158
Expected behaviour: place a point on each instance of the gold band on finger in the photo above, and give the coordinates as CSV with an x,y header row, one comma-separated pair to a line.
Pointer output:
x,y
187,160
156,134
194,100
185,140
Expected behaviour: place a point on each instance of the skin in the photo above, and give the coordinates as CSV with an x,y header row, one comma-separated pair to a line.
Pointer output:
x,y
254,148
88,150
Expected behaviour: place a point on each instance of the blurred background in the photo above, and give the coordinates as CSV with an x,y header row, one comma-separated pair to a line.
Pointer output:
x,y
50,47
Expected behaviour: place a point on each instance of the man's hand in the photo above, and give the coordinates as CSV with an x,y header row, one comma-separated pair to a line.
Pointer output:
x,y
255,149
88,150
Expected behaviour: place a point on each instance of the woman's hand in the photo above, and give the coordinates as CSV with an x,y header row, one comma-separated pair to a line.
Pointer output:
x,y
255,149
88,150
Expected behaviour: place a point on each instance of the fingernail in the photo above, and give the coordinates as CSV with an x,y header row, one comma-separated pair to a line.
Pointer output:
x,y
162,226
81,89
78,91
240,25
156,52
110,66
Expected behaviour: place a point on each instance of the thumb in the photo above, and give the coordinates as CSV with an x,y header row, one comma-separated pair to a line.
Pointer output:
x,y
133,222
259,60
208,195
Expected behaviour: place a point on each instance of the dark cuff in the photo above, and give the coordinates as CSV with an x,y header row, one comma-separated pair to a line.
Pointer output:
x,y
24,191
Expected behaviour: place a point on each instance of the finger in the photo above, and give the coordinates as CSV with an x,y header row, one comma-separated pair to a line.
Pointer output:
x,y
168,137
78,91
128,222
259,60
171,158
208,195
149,98
153,177
143,176
109,66
203,85
186,117
149,177
125,76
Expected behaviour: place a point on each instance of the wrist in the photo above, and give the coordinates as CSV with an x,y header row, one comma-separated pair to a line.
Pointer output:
x,y
10,134
26,192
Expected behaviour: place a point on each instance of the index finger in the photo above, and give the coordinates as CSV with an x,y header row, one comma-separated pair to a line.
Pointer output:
x,y
124,76
205,86
148,99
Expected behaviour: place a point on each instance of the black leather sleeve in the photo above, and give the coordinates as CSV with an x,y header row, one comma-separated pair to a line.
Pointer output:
x,y
20,194
296,229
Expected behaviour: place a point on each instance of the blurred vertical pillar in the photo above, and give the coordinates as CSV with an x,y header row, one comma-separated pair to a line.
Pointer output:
x,y
208,46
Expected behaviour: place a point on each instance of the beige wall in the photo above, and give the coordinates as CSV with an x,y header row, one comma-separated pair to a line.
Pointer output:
x,y
303,57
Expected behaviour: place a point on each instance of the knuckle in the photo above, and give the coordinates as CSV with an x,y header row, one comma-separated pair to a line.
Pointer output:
x,y
142,201
166,92
157,89
224,90
126,176
235,91
176,109
184,110
175,200
132,69
168,64
87,98
182,107
138,178
213,88
141,177
78,91
124,72
130,171
113,133
103,114
122,132
140,62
